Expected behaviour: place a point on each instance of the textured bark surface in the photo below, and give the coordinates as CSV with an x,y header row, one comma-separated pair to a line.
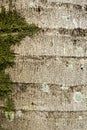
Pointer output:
x,y
50,71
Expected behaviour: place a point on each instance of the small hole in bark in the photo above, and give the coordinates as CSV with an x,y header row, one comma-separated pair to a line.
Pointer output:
x,y
82,67
32,103
38,9
43,30
74,42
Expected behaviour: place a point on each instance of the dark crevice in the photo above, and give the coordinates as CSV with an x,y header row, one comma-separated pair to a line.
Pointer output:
x,y
77,32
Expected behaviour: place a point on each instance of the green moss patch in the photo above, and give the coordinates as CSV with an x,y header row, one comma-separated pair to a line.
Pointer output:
x,y
13,28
